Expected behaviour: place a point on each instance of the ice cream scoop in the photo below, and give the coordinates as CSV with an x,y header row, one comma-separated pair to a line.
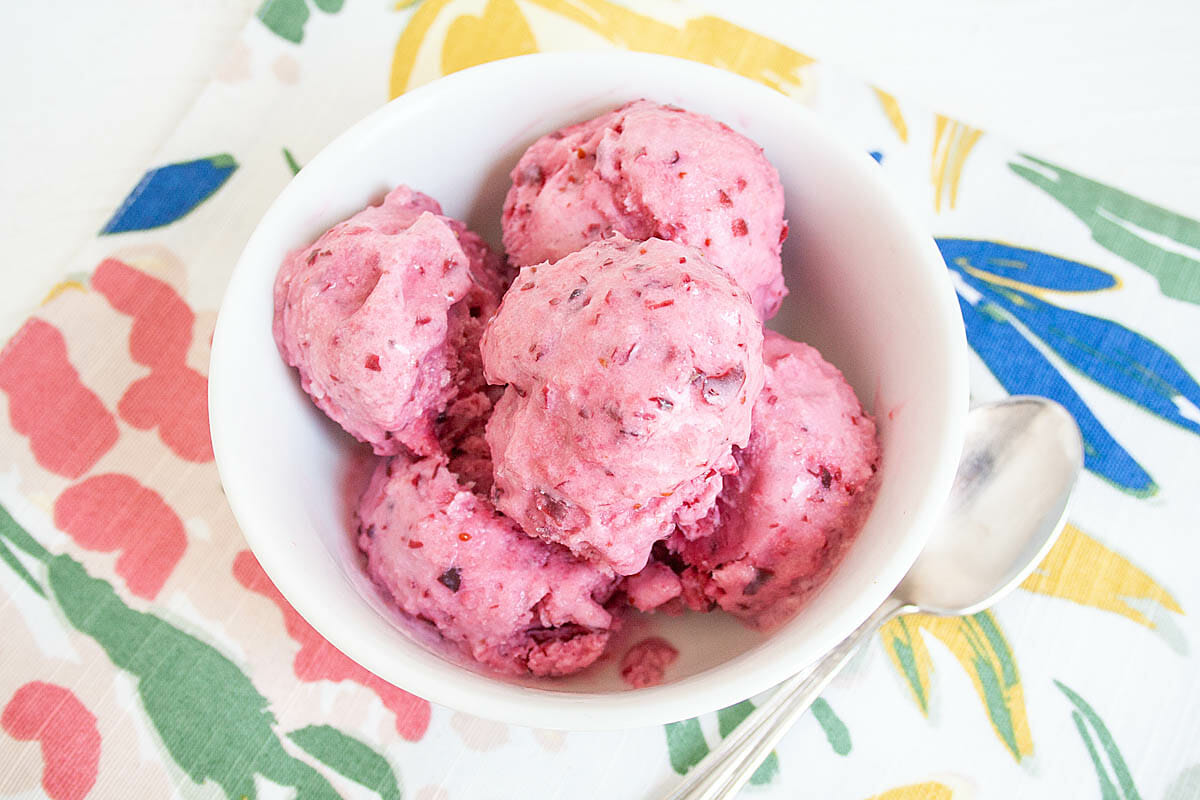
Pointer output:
x,y
631,369
445,556
804,486
382,315
647,170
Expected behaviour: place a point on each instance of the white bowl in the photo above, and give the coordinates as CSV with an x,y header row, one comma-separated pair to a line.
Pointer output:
x,y
868,288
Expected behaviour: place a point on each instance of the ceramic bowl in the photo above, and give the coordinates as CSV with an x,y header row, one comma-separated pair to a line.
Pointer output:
x,y
868,288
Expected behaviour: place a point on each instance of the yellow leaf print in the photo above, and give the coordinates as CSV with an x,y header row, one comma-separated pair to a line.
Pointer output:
x,y
60,287
982,650
501,32
980,647
891,108
952,143
1081,569
1077,568
906,649
929,790
405,55
709,40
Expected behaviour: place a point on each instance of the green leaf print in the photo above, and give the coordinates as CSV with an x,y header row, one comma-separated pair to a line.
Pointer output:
x,y
980,648
210,717
1107,790
1089,724
996,672
349,757
9,529
728,719
685,744
14,563
835,730
212,720
292,163
286,18
909,653
1161,242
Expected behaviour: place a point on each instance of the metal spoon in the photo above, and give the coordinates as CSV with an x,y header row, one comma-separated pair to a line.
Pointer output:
x,y
1020,461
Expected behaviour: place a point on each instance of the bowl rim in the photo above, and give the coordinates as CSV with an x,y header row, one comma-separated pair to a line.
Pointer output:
x,y
547,708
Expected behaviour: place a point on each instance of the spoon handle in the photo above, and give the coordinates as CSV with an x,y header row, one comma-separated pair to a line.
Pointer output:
x,y
724,771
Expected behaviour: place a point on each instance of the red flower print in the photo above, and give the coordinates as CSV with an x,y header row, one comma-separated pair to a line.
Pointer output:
x,y
115,512
54,716
173,397
69,428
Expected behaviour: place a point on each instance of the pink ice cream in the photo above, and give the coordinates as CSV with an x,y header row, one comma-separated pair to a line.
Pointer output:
x,y
646,663
631,371
445,556
783,521
647,170
655,586
382,317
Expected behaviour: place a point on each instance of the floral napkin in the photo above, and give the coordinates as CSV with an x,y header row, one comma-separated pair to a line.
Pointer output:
x,y
145,651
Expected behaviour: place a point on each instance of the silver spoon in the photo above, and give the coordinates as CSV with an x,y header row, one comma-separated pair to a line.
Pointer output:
x,y
1020,461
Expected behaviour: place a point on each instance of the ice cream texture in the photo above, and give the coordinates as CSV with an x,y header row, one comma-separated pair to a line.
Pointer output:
x,y
445,556
614,431
631,370
645,664
781,524
647,170
382,315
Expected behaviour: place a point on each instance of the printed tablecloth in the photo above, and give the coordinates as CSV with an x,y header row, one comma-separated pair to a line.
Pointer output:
x,y
144,651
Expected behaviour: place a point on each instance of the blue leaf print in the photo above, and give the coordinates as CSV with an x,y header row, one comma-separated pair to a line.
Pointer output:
x,y
1112,355
167,193
1018,265
1122,360
1022,369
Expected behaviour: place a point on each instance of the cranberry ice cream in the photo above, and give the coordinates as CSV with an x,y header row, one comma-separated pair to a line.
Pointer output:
x,y
803,488
382,315
631,371
648,170
646,663
444,555
655,586
612,433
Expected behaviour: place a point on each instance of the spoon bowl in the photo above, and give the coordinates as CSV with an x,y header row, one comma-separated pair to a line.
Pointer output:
x,y
1020,458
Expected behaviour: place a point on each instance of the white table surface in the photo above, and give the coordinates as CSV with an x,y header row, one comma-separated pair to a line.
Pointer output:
x,y
89,91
